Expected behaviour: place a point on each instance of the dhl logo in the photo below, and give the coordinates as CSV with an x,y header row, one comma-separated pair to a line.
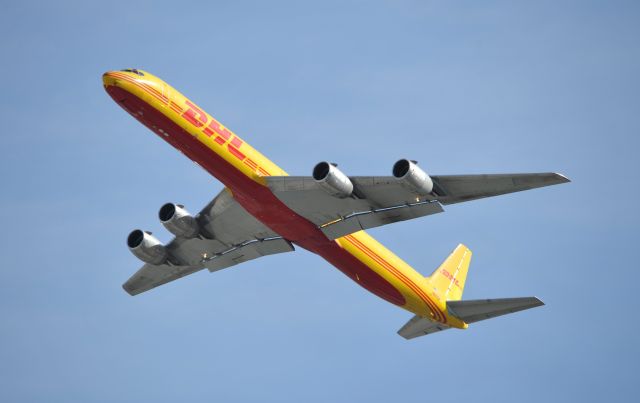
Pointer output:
x,y
220,134
451,277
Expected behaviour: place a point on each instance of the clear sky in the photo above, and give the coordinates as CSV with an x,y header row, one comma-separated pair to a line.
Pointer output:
x,y
462,87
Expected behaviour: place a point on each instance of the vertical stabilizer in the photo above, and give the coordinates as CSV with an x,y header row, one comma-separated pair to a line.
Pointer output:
x,y
449,278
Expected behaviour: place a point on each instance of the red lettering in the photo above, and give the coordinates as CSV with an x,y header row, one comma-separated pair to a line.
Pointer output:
x,y
236,142
215,127
235,152
195,115
198,118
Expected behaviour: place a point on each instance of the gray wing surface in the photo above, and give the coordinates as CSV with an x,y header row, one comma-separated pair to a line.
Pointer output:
x,y
381,200
460,188
419,326
469,311
233,236
476,310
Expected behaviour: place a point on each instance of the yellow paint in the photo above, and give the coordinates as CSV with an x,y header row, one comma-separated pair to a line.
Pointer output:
x,y
424,296
449,278
143,88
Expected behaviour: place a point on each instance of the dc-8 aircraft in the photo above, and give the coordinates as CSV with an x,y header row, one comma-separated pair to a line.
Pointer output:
x,y
263,211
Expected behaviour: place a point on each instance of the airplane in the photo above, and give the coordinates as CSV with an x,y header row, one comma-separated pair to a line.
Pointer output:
x,y
263,211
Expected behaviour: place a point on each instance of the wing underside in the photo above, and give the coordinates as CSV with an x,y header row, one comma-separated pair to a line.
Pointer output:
x,y
383,200
233,236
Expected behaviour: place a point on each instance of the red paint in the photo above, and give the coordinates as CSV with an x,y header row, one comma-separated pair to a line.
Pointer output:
x,y
400,275
257,199
239,155
195,115
221,131
450,277
250,164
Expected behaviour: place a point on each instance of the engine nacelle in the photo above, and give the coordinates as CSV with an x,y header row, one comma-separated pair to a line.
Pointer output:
x,y
146,247
412,177
332,180
178,221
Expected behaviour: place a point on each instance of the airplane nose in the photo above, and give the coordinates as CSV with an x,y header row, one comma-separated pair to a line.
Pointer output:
x,y
108,78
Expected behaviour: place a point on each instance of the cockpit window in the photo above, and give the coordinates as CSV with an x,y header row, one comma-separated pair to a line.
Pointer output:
x,y
135,71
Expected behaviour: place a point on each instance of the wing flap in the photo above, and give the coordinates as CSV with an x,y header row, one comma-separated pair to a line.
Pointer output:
x,y
378,217
250,250
476,310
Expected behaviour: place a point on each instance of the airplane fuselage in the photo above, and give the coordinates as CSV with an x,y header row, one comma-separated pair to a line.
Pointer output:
x,y
242,169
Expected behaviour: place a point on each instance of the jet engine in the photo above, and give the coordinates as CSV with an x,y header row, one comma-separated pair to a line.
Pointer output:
x,y
146,247
178,221
412,177
332,180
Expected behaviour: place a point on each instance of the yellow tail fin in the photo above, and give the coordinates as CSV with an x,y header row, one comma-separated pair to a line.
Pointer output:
x,y
449,278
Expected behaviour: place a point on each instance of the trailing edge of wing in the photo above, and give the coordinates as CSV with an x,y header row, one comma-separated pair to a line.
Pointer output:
x,y
377,217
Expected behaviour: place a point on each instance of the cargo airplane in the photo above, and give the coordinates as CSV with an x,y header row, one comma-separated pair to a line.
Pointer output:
x,y
262,211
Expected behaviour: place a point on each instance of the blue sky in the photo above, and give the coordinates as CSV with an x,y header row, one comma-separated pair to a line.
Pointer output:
x,y
464,87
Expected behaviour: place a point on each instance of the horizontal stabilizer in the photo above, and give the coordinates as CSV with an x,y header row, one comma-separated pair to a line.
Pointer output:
x,y
419,326
476,310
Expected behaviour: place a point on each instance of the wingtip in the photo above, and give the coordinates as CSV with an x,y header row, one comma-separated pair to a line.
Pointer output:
x,y
539,301
561,178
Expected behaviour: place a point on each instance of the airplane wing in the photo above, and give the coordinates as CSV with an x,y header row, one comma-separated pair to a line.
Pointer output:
x,y
380,200
460,188
233,236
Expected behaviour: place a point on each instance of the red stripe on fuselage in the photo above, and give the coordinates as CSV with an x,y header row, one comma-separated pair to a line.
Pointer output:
x,y
399,275
258,200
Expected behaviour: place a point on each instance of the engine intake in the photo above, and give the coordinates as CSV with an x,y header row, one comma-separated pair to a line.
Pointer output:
x,y
332,180
177,220
412,177
146,247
